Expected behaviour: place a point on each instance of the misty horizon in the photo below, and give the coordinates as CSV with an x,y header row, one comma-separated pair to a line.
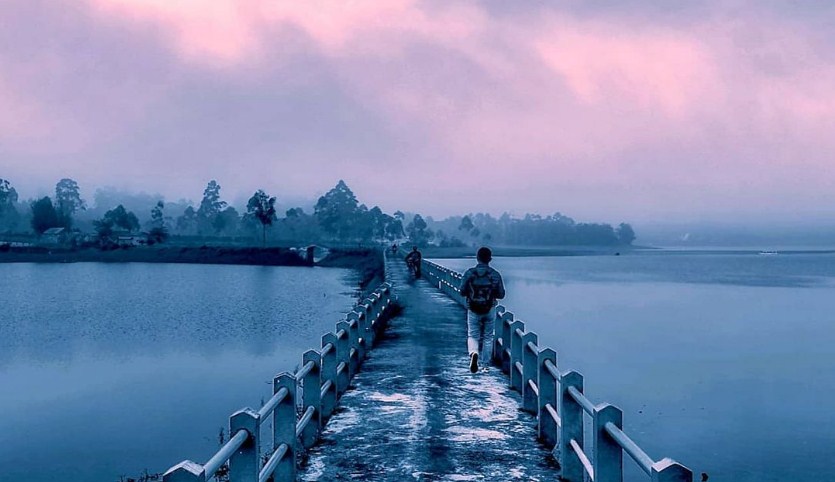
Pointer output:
x,y
658,230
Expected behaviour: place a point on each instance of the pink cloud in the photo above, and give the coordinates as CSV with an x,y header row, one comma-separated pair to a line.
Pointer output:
x,y
544,98
19,116
229,32
653,67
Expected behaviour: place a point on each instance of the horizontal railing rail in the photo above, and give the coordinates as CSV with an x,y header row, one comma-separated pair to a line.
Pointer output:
x,y
323,377
558,401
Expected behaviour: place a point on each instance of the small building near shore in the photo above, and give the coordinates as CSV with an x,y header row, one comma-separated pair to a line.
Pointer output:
x,y
126,239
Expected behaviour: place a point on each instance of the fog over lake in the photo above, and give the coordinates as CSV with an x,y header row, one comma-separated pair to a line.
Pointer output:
x,y
723,360
109,369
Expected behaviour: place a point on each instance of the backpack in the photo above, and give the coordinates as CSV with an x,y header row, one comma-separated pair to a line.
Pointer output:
x,y
481,293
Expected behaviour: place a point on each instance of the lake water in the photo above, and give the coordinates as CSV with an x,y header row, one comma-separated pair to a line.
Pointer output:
x,y
724,361
110,369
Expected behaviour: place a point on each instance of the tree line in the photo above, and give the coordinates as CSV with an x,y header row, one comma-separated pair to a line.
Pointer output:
x,y
337,216
531,230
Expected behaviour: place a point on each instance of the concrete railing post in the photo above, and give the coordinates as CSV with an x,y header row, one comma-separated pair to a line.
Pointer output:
x,y
367,319
354,339
548,429
371,314
343,354
385,301
497,335
668,470
329,362
385,289
311,388
284,426
530,366
516,355
504,361
362,333
245,463
376,312
571,415
608,454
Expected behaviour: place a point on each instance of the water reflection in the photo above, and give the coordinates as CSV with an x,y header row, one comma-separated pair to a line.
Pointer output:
x,y
111,369
721,360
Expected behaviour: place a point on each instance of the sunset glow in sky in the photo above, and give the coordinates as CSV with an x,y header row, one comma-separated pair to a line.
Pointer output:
x,y
611,110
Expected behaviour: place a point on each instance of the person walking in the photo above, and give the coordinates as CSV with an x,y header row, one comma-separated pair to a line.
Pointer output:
x,y
481,286
413,261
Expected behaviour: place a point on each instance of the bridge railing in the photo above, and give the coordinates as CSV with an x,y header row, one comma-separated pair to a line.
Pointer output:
x,y
301,404
557,400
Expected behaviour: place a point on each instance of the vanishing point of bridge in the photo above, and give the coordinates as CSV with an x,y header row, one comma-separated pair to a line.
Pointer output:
x,y
410,409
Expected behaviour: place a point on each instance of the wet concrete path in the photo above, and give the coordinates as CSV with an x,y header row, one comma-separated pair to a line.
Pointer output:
x,y
415,412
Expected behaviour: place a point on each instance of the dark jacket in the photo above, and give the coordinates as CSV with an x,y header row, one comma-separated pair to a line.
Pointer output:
x,y
414,257
480,269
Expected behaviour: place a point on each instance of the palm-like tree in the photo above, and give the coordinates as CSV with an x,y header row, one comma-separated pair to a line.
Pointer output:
x,y
262,207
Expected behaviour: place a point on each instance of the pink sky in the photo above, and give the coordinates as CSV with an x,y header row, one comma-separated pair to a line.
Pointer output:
x,y
604,111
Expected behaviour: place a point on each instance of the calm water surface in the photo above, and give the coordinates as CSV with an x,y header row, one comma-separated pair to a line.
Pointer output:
x,y
722,360
110,369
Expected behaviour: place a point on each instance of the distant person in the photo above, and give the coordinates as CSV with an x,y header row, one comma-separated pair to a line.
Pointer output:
x,y
413,261
394,248
482,286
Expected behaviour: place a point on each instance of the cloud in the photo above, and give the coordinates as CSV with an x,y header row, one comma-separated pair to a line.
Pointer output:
x,y
549,106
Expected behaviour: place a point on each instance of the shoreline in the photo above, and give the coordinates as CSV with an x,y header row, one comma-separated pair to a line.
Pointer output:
x,y
367,262
163,254
525,251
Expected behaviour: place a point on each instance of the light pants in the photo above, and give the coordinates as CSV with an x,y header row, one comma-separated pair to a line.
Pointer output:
x,y
480,334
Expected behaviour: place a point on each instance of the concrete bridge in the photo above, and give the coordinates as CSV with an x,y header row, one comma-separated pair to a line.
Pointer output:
x,y
410,409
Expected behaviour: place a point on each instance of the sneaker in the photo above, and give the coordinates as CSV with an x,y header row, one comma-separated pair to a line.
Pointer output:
x,y
473,362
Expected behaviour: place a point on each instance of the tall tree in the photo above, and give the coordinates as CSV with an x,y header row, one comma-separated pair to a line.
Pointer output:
x,y
121,217
300,226
67,201
337,211
158,215
159,231
466,224
8,199
104,229
44,215
625,234
262,207
210,207
187,222
116,217
362,224
226,221
418,231
394,229
379,220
